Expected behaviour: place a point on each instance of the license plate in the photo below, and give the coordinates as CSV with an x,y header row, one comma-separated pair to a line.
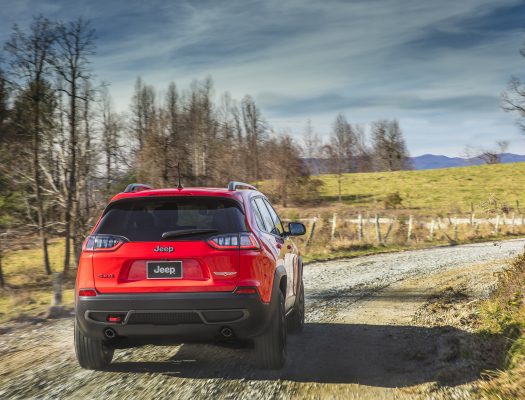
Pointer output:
x,y
164,269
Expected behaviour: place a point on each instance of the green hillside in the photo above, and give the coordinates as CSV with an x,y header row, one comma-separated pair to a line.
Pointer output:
x,y
449,189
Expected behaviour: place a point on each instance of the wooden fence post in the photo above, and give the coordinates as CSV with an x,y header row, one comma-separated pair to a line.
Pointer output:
x,y
360,227
389,229
513,222
471,213
311,235
456,229
378,230
496,227
410,222
334,223
368,227
432,229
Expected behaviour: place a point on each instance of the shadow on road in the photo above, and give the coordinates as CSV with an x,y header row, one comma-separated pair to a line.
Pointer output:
x,y
375,355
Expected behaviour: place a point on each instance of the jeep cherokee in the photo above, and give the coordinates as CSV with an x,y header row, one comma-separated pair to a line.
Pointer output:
x,y
188,264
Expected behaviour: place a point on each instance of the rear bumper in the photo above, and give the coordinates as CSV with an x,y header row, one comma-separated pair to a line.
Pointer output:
x,y
178,317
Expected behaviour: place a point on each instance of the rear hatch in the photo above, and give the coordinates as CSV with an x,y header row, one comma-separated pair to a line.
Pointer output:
x,y
168,244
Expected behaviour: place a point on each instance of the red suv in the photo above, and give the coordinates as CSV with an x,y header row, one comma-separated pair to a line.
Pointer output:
x,y
188,264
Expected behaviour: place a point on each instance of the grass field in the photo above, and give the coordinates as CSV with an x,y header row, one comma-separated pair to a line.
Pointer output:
x,y
441,195
432,191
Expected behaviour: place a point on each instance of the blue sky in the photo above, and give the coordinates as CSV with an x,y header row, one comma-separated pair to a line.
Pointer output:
x,y
437,66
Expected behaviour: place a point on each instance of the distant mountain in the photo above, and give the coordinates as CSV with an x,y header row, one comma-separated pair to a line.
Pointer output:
x,y
431,161
426,161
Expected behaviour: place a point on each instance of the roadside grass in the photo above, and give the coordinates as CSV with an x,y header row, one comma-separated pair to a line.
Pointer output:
x,y
28,290
504,314
345,243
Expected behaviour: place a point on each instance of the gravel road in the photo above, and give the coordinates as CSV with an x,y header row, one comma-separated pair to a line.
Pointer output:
x,y
359,341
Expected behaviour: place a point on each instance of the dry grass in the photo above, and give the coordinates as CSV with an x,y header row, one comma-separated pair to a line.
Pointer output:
x,y
28,289
504,314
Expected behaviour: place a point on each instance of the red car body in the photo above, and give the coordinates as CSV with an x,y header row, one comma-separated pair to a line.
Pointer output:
x,y
187,264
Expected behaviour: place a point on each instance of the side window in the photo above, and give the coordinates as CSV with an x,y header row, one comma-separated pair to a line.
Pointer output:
x,y
267,218
258,217
275,218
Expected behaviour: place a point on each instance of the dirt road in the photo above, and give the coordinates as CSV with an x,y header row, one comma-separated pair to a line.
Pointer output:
x,y
386,326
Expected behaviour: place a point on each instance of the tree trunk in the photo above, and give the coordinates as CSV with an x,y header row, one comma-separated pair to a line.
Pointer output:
x,y
37,188
71,216
108,148
2,282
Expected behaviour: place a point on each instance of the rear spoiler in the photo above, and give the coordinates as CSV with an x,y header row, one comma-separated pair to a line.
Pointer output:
x,y
233,185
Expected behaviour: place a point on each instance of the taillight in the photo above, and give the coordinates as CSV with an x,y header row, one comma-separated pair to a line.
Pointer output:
x,y
87,292
231,241
103,242
115,318
246,290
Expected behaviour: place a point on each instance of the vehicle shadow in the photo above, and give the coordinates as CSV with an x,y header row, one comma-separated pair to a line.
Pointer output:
x,y
374,355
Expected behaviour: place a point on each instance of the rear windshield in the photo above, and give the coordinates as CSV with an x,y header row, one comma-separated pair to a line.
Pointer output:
x,y
146,219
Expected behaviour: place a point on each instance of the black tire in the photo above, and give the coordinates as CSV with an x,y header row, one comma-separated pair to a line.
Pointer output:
x,y
296,319
91,353
270,347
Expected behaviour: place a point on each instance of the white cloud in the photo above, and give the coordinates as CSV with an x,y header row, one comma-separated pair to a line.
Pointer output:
x,y
434,65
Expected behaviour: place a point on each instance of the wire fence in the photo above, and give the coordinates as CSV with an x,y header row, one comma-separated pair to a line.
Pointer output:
x,y
381,229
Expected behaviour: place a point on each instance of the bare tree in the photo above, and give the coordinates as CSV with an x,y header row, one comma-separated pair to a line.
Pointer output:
x,y
285,167
143,111
111,127
229,166
75,45
487,156
341,150
255,131
389,147
513,99
31,57
363,153
178,147
4,97
311,148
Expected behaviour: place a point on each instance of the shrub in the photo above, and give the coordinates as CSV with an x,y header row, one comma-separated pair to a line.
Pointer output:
x,y
392,201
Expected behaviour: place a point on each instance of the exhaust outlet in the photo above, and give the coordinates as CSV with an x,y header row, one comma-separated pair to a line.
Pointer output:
x,y
109,333
227,332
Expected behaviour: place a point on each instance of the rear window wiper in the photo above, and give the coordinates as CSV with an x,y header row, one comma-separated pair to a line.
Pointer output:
x,y
187,232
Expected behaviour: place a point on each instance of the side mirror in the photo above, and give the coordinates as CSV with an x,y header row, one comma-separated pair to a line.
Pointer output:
x,y
296,229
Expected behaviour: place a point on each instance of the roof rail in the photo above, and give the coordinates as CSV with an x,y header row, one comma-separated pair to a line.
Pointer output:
x,y
234,185
136,187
